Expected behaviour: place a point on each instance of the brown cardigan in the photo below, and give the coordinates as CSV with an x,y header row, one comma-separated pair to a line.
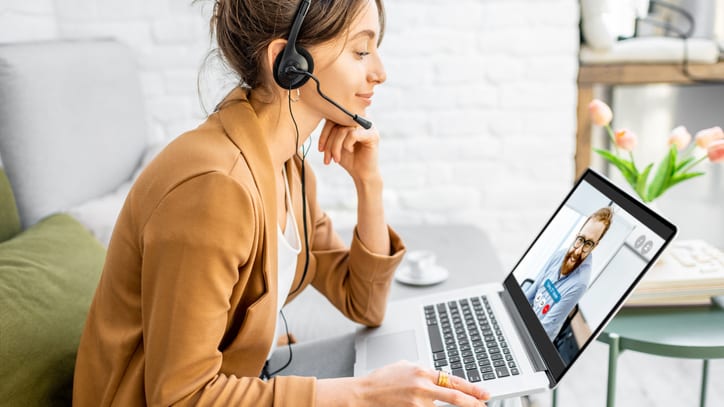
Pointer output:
x,y
184,311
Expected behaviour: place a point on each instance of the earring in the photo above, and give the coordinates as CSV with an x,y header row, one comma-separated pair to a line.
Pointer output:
x,y
299,94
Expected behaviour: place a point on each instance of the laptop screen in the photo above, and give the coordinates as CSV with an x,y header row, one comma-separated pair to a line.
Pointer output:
x,y
582,266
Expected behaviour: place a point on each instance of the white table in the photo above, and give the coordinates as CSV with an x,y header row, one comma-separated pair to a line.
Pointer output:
x,y
466,251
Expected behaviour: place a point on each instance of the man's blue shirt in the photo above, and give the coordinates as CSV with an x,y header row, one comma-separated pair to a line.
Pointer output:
x,y
553,296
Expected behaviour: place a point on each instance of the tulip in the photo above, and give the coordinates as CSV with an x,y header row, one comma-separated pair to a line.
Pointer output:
x,y
680,137
601,114
626,139
707,136
715,151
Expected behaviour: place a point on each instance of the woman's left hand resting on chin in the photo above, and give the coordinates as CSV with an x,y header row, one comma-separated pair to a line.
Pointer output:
x,y
354,148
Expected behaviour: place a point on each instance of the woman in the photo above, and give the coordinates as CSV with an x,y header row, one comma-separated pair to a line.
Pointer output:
x,y
213,237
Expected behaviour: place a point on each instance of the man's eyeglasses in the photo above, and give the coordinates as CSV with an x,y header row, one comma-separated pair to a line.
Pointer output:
x,y
582,241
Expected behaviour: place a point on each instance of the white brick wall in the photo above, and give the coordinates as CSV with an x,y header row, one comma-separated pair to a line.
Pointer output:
x,y
170,43
477,116
22,20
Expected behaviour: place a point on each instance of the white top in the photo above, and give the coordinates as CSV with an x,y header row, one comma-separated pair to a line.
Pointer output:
x,y
287,252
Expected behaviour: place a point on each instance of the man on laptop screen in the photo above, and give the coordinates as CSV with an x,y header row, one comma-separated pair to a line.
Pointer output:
x,y
564,278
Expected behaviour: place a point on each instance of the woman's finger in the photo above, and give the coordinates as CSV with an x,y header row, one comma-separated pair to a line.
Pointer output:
x,y
331,134
457,398
337,142
364,136
458,391
468,388
350,141
326,131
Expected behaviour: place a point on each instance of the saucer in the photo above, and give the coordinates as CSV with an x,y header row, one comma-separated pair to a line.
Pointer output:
x,y
431,275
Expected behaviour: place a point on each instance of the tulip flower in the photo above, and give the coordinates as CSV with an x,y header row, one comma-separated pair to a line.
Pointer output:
x,y
680,137
715,151
626,139
601,114
675,167
707,136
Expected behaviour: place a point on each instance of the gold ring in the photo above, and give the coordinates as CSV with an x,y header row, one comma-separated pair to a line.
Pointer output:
x,y
443,380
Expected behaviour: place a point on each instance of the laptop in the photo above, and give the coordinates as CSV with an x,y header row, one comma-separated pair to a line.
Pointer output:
x,y
522,335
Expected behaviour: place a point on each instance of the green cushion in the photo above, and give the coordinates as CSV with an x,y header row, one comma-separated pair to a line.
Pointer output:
x,y
9,218
48,275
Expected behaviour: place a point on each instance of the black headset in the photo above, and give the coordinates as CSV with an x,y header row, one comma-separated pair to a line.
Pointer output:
x,y
294,66
294,59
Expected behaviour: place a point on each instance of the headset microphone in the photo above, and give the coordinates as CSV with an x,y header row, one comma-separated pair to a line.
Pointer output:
x,y
293,66
357,118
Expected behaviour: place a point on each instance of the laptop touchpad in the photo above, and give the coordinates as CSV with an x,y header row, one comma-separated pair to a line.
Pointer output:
x,y
385,349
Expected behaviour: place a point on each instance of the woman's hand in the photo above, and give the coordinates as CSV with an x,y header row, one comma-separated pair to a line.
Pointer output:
x,y
354,148
399,384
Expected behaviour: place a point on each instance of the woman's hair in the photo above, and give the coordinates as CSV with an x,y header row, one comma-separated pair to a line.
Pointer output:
x,y
603,215
244,29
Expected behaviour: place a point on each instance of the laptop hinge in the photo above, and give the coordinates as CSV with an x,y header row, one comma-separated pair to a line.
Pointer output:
x,y
535,359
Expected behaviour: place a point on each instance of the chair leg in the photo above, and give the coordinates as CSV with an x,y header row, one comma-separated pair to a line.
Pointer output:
x,y
613,350
704,378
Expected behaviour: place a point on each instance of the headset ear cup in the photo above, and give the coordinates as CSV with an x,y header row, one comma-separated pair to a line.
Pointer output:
x,y
310,63
299,58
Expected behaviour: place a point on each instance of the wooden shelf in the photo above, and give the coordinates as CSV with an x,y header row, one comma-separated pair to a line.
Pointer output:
x,y
608,75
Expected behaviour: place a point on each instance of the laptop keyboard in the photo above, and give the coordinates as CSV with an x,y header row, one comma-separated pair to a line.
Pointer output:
x,y
467,341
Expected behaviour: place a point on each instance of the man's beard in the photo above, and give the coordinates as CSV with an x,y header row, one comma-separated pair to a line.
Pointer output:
x,y
568,266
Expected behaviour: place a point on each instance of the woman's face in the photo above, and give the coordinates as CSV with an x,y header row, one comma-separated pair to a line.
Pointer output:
x,y
348,71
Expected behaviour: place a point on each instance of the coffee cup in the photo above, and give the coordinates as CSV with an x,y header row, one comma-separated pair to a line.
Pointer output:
x,y
419,262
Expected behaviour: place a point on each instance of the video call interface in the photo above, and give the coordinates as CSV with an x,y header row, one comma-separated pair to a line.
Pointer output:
x,y
581,265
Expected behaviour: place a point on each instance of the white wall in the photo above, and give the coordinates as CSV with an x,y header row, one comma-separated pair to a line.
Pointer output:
x,y
477,116
22,20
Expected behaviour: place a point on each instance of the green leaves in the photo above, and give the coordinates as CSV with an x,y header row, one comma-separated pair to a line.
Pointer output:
x,y
683,177
627,168
640,187
669,172
663,175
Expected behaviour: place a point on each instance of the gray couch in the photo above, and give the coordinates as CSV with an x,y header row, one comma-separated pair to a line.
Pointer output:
x,y
72,133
